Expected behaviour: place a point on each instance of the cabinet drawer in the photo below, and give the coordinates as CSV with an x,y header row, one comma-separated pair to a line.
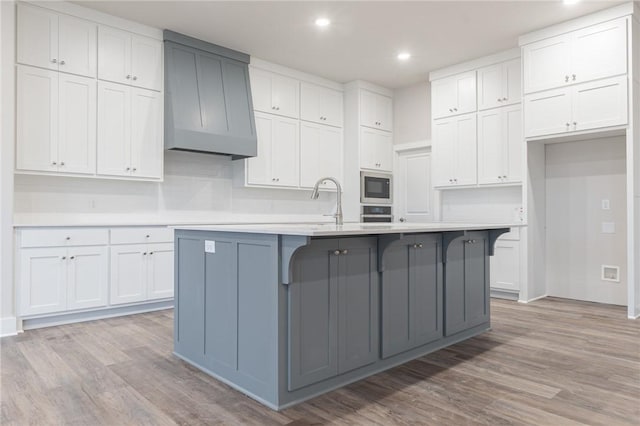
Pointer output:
x,y
141,235
63,237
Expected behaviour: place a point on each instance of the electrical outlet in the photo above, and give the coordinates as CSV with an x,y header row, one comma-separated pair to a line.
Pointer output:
x,y
608,227
209,246
610,273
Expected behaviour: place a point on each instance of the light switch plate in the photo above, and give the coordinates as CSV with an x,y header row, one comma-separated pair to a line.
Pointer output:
x,y
608,227
209,246
606,205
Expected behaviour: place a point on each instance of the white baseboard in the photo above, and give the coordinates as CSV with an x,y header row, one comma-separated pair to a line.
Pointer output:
x,y
534,299
8,326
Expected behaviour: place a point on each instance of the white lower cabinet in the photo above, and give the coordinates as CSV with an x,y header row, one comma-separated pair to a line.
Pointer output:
x,y
505,266
587,106
56,279
160,271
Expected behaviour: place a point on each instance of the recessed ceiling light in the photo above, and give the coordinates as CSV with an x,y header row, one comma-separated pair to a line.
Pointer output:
x,y
570,2
403,56
322,22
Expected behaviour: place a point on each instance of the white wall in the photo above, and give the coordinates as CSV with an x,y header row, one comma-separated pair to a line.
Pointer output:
x,y
579,175
7,84
195,186
412,113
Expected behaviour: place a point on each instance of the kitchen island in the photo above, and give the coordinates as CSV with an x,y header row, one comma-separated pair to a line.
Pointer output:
x,y
284,313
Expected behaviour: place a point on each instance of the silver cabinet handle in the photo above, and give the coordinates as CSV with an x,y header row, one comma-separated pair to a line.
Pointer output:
x,y
470,241
62,62
62,163
72,257
134,169
54,61
147,236
144,254
135,78
575,124
150,253
499,100
567,124
573,77
64,257
68,238
566,78
419,245
402,219
54,163
505,99
345,251
128,76
455,109
336,252
273,107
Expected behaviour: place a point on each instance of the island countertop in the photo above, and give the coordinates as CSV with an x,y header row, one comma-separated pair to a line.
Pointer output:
x,y
330,229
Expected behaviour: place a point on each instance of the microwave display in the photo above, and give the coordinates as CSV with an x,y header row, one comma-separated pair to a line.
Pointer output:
x,y
375,188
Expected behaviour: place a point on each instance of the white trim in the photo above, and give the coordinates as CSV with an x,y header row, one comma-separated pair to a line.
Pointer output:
x,y
534,299
631,317
293,73
361,84
576,24
410,146
97,17
474,64
8,326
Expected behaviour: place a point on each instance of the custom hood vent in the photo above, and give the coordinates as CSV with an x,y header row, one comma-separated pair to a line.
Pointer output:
x,y
208,105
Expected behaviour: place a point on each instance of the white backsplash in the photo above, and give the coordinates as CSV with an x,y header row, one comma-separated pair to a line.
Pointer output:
x,y
495,205
194,184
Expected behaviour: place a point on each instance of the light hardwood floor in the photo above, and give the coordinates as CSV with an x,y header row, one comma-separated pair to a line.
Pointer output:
x,y
551,362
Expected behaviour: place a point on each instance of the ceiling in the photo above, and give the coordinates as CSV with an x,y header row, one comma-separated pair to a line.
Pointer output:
x,y
364,36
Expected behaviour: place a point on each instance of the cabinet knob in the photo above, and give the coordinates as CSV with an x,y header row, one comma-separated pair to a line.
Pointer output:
x,y
419,245
62,163
134,169
54,61
567,124
72,257
54,163
128,76
150,253
573,76
566,78
273,107
144,254
128,168
336,252
146,236
455,109
344,251
64,257
575,123
450,110
505,99
135,78
62,62
68,238
499,100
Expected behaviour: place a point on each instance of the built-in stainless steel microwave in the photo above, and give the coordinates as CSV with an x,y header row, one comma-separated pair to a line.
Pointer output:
x,y
376,188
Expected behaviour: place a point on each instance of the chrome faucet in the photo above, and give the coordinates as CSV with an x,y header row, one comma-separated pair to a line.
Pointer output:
x,y
316,193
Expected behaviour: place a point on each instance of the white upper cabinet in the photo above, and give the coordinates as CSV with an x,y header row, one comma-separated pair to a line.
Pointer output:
x,y
499,85
500,145
57,42
455,151
376,110
56,122
454,95
129,131
321,104
597,104
130,59
277,162
376,150
320,154
595,52
274,93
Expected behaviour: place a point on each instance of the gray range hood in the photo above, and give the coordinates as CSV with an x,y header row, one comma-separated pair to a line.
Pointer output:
x,y
208,105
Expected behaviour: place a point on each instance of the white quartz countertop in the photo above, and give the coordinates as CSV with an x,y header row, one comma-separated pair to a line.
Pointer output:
x,y
327,230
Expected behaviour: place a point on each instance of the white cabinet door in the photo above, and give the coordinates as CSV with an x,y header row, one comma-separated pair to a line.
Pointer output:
x,y
444,144
490,87
114,129
376,110
147,147
128,273
512,82
466,150
547,63
454,95
601,103
320,154
43,280
159,271
547,113
77,124
274,93
513,143
37,37
490,147
77,46
87,277
320,104
505,265
285,155
37,119
376,150
114,55
259,167
414,194
599,51
146,62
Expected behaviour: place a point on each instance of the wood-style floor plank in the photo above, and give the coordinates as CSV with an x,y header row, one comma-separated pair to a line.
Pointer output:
x,y
550,362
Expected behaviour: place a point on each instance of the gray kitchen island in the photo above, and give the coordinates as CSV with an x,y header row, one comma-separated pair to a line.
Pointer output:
x,y
284,313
